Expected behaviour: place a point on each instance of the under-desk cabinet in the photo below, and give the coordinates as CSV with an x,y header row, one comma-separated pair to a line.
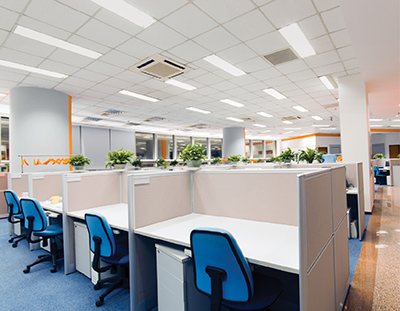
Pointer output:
x,y
82,251
175,282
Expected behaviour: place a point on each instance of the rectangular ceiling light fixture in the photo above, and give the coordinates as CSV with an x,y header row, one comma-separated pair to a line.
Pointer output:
x,y
234,119
3,95
127,11
264,114
224,65
288,132
300,108
377,120
41,37
232,103
274,93
292,128
287,122
198,110
140,96
182,85
259,125
320,125
318,118
376,125
297,40
329,82
32,69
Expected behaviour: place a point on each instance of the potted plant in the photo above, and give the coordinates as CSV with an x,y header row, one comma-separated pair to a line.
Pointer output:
x,y
161,163
192,155
78,162
234,159
246,160
379,156
287,156
118,159
260,161
310,155
137,163
216,161
174,162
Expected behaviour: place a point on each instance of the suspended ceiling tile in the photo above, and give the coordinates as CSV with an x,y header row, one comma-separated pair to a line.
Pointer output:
x,y
341,38
58,67
91,76
83,83
333,19
309,82
346,53
33,47
158,9
69,89
224,85
133,77
36,81
118,22
195,73
293,66
3,36
312,27
105,88
322,44
102,33
13,5
87,7
190,51
301,75
207,79
104,68
285,12
89,44
47,29
255,86
277,81
350,64
186,15
71,58
206,91
323,5
254,64
287,87
12,75
121,84
138,48
212,40
223,10
119,59
244,80
20,57
8,19
61,16
322,59
266,74
329,69
237,54
250,25
268,43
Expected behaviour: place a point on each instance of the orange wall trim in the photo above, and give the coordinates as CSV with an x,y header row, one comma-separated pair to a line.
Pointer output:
x,y
385,131
312,135
164,149
70,126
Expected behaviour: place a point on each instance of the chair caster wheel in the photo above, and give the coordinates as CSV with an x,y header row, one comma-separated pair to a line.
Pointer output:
x,y
26,270
99,302
54,269
97,286
10,240
14,245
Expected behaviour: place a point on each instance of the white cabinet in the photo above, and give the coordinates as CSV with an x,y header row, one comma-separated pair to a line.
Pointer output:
x,y
82,251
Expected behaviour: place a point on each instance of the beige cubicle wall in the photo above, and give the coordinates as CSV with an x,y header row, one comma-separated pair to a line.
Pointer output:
x,y
3,187
307,204
18,182
42,186
394,179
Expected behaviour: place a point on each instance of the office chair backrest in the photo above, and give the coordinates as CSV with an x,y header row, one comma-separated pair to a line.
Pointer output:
x,y
13,203
376,171
98,226
218,248
32,208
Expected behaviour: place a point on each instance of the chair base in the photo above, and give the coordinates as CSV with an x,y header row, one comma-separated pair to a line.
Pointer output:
x,y
19,238
47,257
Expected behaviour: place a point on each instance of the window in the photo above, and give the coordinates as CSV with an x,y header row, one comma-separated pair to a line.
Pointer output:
x,y
165,147
216,147
144,145
4,139
203,143
258,149
247,149
181,143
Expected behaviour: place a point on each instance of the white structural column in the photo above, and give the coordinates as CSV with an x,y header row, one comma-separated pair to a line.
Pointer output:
x,y
40,124
355,130
234,141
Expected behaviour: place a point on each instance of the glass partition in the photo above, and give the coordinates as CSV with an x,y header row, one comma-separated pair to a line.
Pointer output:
x,y
165,145
203,142
144,145
5,151
216,147
181,143
257,149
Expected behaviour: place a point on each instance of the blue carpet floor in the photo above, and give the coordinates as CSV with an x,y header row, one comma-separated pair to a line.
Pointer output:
x,y
45,291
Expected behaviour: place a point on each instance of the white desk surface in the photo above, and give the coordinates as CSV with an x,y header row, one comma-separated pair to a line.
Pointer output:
x,y
267,244
116,214
352,191
47,205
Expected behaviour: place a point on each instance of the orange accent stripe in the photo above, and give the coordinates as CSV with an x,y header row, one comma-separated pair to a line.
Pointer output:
x,y
269,142
70,126
312,135
385,131
164,149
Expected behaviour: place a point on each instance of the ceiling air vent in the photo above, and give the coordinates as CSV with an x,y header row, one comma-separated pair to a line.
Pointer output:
x,y
112,112
90,119
291,118
160,67
281,57
152,119
331,106
200,126
131,124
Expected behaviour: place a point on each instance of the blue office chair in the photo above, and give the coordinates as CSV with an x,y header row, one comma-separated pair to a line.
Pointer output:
x,y
379,177
105,247
14,215
35,221
222,272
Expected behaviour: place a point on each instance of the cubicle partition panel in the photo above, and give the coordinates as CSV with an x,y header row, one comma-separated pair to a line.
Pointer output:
x,y
42,186
3,187
18,183
260,195
392,164
339,195
323,287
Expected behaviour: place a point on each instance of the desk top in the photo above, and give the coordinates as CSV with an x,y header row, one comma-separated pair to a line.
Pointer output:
x,y
47,205
116,214
267,244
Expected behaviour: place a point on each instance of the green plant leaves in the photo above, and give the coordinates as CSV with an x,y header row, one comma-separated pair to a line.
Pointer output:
x,y
193,152
79,160
120,156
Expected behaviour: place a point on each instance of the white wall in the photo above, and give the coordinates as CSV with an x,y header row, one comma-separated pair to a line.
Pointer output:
x,y
387,139
299,144
326,141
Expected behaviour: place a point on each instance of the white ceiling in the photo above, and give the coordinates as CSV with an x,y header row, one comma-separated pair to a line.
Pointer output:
x,y
239,31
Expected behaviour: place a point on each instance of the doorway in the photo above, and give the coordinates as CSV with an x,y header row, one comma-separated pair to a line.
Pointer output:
x,y
394,151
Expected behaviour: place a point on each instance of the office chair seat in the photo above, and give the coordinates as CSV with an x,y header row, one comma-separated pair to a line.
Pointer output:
x,y
50,231
15,215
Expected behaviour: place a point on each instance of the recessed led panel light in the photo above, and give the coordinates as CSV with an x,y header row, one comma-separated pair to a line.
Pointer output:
x,y
292,128
127,11
300,108
232,103
182,85
2,95
287,122
234,119
267,131
274,93
377,120
396,120
297,40
140,96
198,110
288,132
32,69
376,125
318,118
395,125
224,65
259,125
41,37
328,128
264,114
320,125
328,82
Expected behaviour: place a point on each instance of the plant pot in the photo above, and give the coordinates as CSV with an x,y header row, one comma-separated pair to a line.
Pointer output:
x,y
119,166
78,167
194,163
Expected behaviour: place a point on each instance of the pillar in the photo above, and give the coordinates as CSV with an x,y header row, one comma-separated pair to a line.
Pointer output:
x,y
355,131
40,126
234,141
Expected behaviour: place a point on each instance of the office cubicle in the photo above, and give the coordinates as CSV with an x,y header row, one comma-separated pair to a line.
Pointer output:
x,y
307,207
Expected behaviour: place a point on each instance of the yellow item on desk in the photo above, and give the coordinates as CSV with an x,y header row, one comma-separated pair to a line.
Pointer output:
x,y
55,199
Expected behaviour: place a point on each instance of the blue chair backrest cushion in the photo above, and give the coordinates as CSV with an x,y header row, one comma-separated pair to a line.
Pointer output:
x,y
12,198
98,225
32,207
218,248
